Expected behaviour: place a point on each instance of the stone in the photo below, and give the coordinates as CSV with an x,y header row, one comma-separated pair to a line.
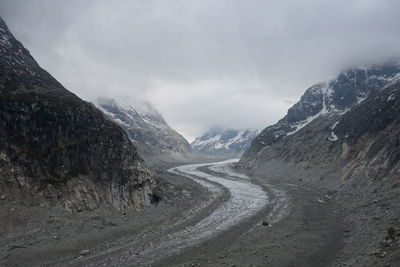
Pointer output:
x,y
84,252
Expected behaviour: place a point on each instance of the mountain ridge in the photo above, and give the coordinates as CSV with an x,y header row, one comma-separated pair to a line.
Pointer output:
x,y
336,96
353,154
148,130
57,148
224,143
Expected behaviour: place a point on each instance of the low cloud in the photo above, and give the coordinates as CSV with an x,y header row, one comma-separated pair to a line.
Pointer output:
x,y
204,63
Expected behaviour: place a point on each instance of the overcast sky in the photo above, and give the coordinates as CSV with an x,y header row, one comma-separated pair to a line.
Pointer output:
x,y
205,63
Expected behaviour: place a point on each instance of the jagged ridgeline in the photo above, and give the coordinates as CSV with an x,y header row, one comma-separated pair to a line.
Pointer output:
x,y
348,127
58,149
224,143
156,141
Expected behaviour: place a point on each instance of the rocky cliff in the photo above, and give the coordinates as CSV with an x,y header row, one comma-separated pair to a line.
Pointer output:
x,y
149,132
58,149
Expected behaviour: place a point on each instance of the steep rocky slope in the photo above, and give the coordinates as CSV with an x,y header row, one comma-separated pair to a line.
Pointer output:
x,y
223,143
353,151
364,140
326,99
56,148
148,131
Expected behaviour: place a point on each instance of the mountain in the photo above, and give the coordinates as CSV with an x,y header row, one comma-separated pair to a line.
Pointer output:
x,y
224,143
335,97
342,137
58,149
148,131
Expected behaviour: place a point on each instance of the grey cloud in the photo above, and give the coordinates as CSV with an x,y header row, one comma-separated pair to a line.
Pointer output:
x,y
232,63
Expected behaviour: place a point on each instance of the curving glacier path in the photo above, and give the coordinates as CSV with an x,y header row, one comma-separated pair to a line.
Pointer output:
x,y
246,200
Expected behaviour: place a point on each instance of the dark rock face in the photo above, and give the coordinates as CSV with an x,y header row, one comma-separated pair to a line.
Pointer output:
x,y
325,99
224,143
56,147
148,131
370,135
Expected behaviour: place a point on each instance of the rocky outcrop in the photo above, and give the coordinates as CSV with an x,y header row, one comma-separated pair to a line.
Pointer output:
x,y
369,136
224,143
148,131
58,149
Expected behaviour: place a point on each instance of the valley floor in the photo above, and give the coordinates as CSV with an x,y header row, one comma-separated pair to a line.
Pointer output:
x,y
309,234
270,224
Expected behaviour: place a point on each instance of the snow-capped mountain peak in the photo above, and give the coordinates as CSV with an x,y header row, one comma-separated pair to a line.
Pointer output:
x,y
337,96
146,128
222,142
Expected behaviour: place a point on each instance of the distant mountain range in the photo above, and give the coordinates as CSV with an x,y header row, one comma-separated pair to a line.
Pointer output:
x,y
224,143
156,140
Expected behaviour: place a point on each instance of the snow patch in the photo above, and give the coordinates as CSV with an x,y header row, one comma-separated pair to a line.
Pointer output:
x,y
391,97
304,123
333,137
334,125
361,98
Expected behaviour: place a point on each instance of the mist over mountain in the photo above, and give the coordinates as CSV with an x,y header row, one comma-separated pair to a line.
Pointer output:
x,y
58,149
248,59
334,97
147,130
96,168
343,135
